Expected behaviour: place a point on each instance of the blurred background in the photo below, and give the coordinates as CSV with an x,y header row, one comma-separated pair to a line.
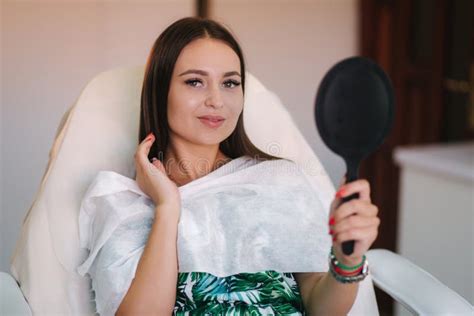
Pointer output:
x,y
422,177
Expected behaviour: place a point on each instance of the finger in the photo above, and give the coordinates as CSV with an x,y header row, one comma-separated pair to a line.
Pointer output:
x,y
154,162
337,200
356,221
367,235
143,149
361,186
158,164
352,207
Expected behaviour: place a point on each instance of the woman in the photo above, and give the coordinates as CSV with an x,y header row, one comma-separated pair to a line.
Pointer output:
x,y
191,128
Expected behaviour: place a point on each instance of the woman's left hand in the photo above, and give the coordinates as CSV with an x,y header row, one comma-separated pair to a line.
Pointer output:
x,y
353,220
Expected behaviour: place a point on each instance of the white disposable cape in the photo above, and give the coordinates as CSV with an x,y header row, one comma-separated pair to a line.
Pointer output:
x,y
245,216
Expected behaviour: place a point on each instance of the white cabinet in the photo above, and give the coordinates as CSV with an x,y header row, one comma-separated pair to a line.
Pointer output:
x,y
436,212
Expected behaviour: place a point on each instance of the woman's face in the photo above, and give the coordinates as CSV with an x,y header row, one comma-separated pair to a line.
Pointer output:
x,y
205,81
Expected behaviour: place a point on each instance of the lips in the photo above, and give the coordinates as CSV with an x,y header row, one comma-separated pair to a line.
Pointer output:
x,y
213,118
212,121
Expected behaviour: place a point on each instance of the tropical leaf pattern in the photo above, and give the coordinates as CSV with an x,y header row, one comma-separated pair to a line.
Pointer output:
x,y
262,293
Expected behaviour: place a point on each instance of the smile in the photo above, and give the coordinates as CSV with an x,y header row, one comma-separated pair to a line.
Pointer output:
x,y
211,123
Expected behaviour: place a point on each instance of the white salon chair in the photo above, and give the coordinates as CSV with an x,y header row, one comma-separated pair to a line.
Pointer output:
x,y
100,132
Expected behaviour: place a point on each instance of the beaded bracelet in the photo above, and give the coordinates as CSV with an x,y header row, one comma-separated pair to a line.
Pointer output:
x,y
350,279
344,277
344,267
346,273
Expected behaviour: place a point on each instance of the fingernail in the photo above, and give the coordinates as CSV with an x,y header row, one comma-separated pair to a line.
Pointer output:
x,y
149,136
331,232
334,238
340,193
331,221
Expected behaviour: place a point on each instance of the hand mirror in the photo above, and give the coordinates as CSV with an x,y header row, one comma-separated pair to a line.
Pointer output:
x,y
354,112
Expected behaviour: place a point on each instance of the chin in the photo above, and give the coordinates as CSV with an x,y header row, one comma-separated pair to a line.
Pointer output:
x,y
210,138
210,141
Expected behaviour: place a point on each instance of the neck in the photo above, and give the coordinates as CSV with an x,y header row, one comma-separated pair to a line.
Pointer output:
x,y
185,164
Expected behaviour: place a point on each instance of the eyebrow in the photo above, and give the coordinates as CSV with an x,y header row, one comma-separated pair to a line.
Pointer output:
x,y
204,73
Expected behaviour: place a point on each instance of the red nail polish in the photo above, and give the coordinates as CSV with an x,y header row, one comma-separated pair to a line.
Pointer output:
x,y
331,232
340,193
334,238
332,221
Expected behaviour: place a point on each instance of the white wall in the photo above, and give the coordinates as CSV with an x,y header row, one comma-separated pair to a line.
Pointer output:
x,y
51,49
3,249
290,45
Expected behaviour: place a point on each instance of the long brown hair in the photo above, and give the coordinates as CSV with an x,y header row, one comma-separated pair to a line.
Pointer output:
x,y
156,83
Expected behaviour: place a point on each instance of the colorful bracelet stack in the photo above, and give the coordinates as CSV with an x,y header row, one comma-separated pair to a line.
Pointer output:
x,y
345,274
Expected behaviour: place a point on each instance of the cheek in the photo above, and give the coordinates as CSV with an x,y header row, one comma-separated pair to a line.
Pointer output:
x,y
235,104
181,109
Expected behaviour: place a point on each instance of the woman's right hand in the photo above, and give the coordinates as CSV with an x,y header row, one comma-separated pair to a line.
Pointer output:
x,y
152,178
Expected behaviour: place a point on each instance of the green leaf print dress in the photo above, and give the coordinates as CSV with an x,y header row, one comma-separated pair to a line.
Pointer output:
x,y
262,293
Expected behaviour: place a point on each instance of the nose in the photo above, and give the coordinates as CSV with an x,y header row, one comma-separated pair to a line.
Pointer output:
x,y
214,98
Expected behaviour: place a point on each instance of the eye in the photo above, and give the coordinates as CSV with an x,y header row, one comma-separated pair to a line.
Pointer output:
x,y
192,82
228,83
